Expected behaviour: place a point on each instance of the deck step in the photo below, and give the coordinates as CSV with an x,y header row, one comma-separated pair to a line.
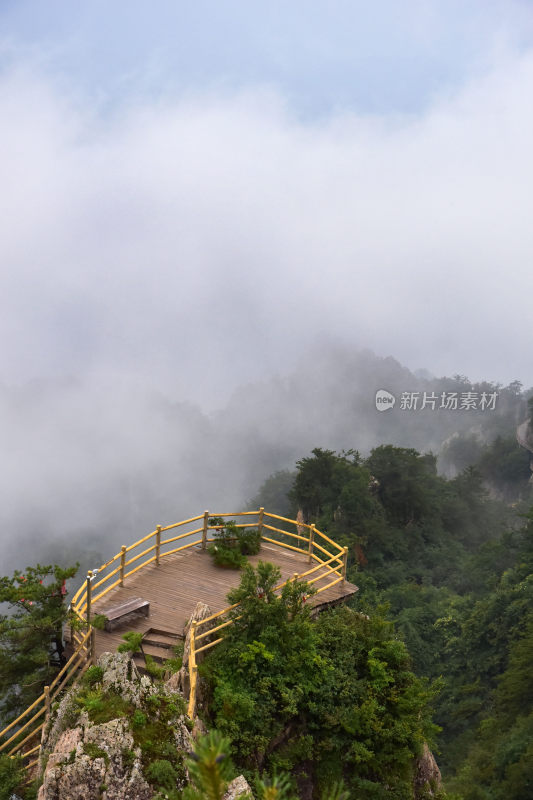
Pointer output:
x,y
164,640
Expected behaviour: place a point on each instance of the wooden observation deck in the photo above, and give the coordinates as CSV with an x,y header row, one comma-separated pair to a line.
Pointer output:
x,y
181,580
172,580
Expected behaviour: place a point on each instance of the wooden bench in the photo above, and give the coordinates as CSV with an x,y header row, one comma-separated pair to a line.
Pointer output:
x,y
125,612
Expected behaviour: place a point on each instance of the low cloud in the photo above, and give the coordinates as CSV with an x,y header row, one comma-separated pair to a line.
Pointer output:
x,y
171,252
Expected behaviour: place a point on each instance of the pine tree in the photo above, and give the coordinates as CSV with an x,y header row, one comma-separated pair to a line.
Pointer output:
x,y
31,634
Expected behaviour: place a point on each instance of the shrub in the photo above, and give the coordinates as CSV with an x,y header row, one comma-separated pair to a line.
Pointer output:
x,y
162,774
94,675
232,544
138,719
227,556
132,643
174,663
91,701
249,541
93,751
153,669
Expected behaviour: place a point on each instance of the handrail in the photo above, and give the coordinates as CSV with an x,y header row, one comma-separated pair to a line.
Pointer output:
x,y
106,579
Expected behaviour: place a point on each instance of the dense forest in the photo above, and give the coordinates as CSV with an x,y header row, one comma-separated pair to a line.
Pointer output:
x,y
449,563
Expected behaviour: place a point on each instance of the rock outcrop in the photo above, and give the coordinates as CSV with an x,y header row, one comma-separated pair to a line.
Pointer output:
x,y
95,762
91,760
428,779
238,789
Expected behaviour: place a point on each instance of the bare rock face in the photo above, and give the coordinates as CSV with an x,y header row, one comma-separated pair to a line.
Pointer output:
x,y
95,763
121,675
428,779
238,789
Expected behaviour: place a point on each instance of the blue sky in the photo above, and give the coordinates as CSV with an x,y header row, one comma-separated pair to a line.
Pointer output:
x,y
383,57
366,165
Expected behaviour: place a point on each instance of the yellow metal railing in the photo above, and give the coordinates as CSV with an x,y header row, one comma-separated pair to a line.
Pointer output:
x,y
306,539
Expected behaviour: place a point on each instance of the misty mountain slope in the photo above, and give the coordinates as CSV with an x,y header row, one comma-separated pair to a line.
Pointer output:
x,y
100,460
329,401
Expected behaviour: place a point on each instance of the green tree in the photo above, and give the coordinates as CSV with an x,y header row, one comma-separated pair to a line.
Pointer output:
x,y
407,482
274,494
334,698
266,663
13,779
31,634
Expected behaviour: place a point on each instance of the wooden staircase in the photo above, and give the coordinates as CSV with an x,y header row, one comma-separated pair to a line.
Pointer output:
x,y
158,644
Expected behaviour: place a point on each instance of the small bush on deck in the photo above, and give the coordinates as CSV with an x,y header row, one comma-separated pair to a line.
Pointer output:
x,y
232,544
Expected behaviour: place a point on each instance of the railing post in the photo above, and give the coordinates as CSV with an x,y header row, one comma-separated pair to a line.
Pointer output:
x,y
344,563
157,544
47,703
88,614
122,563
204,532
260,521
311,541
92,644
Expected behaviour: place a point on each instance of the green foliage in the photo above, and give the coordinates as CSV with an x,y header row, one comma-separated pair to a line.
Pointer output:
x,y
132,643
13,779
94,751
371,707
139,718
287,690
92,702
209,767
31,635
233,544
505,465
406,483
162,774
174,663
249,541
93,675
279,787
452,568
128,757
224,556
98,621
153,669
321,480
153,733
335,792
102,706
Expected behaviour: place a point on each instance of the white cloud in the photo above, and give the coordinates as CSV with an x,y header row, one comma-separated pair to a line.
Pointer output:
x,y
210,238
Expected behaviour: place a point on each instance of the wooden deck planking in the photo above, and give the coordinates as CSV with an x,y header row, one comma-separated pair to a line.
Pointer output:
x,y
185,578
